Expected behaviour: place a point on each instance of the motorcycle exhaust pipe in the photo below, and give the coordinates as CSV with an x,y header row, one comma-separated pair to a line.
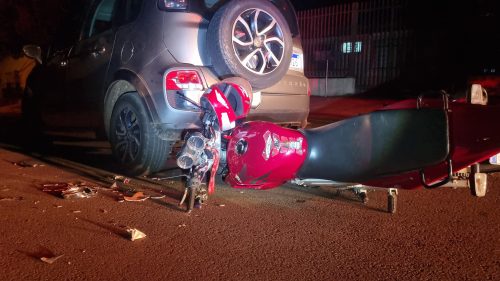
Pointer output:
x,y
190,154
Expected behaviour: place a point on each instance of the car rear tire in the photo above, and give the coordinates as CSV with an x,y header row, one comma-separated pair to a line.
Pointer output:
x,y
250,39
134,142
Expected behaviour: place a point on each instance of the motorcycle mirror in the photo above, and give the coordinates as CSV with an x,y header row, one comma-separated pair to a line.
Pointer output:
x,y
478,95
34,52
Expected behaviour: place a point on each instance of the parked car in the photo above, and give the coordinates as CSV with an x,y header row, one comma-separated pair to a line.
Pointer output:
x,y
135,69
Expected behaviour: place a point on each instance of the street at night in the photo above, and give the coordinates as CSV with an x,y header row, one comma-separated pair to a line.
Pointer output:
x,y
249,140
290,233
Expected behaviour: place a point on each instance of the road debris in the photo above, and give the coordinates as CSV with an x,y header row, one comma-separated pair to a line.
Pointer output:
x,y
24,164
167,178
156,197
135,234
136,197
181,225
103,211
76,211
300,201
121,179
58,206
221,205
70,190
50,260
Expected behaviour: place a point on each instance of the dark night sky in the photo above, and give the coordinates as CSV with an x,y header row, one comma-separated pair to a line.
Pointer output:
x,y
461,21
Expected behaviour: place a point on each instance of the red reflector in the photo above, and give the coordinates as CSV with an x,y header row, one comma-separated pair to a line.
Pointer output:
x,y
188,77
183,80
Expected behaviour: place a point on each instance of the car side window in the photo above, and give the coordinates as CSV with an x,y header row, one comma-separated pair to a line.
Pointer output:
x,y
102,19
211,3
128,11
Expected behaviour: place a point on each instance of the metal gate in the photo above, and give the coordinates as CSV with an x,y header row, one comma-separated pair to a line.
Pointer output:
x,y
369,41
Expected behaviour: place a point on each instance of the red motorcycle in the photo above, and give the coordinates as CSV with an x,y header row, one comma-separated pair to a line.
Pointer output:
x,y
407,145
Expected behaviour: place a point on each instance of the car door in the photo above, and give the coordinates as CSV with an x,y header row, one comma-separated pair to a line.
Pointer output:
x,y
49,87
88,64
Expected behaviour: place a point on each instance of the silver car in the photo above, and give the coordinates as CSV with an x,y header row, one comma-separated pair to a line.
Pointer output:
x,y
135,70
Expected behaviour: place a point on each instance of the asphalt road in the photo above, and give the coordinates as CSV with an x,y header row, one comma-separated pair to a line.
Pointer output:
x,y
289,233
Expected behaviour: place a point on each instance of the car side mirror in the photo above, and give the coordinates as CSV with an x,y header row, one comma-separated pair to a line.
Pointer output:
x,y
34,52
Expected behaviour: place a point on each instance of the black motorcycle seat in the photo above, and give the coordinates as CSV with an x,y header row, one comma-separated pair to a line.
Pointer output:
x,y
376,144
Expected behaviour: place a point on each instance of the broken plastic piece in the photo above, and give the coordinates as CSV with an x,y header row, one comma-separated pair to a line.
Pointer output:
x,y
137,197
24,164
121,179
78,192
135,234
70,190
50,260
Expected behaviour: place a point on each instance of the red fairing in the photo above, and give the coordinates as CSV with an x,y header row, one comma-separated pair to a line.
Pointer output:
x,y
262,155
229,102
221,106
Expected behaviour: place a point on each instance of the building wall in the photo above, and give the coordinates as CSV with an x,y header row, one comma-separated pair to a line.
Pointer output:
x,y
368,41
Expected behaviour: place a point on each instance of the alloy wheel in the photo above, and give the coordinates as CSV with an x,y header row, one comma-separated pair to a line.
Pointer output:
x,y
258,41
128,134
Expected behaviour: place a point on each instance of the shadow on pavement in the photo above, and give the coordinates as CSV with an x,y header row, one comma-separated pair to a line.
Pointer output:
x,y
340,195
75,152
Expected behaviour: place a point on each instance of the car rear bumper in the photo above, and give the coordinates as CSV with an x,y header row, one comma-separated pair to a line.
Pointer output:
x,y
287,102
282,109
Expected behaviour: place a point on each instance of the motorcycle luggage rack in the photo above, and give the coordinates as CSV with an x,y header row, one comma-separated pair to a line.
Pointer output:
x,y
444,181
446,97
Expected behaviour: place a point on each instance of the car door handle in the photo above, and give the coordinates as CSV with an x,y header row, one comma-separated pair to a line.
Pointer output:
x,y
98,51
63,63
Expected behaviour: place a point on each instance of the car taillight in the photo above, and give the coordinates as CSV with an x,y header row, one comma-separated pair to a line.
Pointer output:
x,y
173,4
309,90
183,80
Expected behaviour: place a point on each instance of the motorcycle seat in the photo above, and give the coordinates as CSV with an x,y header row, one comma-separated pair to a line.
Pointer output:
x,y
377,144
